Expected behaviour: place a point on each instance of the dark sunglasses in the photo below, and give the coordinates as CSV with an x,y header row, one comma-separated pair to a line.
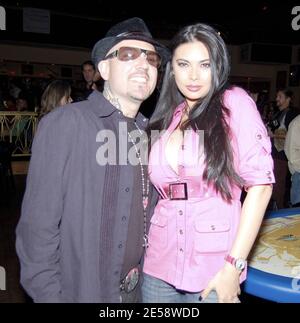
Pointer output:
x,y
130,53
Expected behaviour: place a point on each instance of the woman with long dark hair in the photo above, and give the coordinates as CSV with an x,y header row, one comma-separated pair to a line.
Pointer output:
x,y
212,143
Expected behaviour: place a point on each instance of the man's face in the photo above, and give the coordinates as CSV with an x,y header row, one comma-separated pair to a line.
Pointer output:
x,y
21,105
132,80
88,73
282,100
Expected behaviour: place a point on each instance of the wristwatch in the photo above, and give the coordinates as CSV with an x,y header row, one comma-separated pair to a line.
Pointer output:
x,y
239,263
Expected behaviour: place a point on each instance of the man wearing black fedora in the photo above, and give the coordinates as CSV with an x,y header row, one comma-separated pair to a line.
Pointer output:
x,y
82,230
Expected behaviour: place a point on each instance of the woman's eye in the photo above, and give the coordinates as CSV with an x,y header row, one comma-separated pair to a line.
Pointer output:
x,y
182,64
205,65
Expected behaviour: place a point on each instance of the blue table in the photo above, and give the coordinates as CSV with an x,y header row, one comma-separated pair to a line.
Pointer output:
x,y
270,286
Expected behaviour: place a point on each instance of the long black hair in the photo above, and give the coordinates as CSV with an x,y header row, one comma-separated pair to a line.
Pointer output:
x,y
208,114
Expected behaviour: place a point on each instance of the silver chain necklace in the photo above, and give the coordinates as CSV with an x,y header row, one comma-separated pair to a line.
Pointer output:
x,y
145,187
145,181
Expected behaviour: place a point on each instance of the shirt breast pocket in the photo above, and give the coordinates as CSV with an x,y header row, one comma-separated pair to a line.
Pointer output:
x,y
212,236
158,233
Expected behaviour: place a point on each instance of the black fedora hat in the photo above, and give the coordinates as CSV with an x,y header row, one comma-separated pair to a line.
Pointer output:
x,y
133,28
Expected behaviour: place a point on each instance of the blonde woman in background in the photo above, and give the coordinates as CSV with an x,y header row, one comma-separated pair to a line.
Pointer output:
x,y
56,94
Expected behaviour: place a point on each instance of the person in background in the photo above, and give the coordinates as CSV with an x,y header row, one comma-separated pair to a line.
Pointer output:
x,y
277,129
83,224
2,106
9,103
90,76
98,82
292,151
93,81
56,94
22,102
212,143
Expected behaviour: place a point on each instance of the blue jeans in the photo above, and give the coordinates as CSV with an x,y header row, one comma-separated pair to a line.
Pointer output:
x,y
155,290
295,188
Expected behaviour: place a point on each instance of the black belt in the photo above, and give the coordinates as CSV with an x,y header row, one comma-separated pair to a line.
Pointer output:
x,y
129,283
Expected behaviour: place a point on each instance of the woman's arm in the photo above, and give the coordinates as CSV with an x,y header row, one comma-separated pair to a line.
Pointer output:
x,y
253,211
226,282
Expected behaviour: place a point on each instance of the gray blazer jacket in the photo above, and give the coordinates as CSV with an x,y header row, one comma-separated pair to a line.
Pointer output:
x,y
75,212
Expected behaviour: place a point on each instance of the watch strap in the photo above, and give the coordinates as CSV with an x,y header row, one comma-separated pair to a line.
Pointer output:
x,y
238,264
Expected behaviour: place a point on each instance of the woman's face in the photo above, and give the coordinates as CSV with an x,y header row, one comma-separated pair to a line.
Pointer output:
x,y
192,71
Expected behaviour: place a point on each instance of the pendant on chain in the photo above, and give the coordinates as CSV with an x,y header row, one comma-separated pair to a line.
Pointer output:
x,y
145,202
146,244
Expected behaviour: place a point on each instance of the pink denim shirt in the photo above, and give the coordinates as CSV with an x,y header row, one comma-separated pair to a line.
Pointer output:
x,y
188,239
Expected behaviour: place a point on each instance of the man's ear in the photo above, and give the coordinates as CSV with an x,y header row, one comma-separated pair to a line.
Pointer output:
x,y
103,68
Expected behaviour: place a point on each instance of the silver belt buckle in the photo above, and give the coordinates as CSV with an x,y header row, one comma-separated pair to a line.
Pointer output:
x,y
129,283
178,191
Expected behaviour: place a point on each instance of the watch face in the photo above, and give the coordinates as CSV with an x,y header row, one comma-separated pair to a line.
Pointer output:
x,y
240,264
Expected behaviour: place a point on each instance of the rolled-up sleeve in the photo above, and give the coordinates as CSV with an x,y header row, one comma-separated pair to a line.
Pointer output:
x,y
255,163
37,233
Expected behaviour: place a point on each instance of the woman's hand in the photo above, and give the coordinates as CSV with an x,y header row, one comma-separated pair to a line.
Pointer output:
x,y
226,283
